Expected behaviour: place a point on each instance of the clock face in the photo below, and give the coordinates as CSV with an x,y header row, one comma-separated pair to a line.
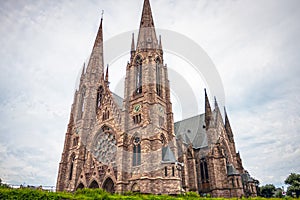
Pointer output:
x,y
137,108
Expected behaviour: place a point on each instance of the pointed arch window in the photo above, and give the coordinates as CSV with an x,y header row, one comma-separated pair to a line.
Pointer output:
x,y
138,75
75,141
136,159
158,77
204,171
72,166
105,115
232,183
82,102
173,171
83,99
137,119
99,97
166,171
163,140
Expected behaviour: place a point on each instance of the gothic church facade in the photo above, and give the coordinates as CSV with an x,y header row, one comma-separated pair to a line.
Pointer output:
x,y
132,143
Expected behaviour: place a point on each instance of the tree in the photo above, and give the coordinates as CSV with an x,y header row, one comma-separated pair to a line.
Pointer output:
x,y
278,193
267,190
294,181
3,185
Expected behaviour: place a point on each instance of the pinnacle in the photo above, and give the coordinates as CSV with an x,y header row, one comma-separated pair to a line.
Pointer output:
x,y
132,43
106,75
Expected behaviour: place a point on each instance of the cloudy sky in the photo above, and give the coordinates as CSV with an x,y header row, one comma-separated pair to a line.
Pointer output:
x,y
253,44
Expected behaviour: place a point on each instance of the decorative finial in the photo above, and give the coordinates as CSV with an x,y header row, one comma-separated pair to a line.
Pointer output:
x,y
216,102
106,75
132,44
159,44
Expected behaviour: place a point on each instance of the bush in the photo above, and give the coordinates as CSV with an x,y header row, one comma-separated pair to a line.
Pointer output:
x,y
97,194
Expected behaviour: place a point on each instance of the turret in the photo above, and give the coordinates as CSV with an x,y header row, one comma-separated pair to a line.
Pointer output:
x,y
106,76
208,113
132,44
218,116
228,127
159,44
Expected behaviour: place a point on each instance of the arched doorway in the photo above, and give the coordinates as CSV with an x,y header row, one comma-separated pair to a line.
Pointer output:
x,y
109,185
80,186
94,184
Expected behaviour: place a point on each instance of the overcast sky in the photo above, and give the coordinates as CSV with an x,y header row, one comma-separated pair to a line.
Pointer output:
x,y
253,44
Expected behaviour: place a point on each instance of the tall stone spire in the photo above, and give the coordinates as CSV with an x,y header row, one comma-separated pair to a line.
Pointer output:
x,y
147,37
96,62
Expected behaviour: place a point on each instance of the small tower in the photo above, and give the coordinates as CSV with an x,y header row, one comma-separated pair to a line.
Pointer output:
x,y
208,113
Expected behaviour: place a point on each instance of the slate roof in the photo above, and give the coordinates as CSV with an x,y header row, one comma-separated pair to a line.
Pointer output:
x,y
192,130
168,155
118,100
247,178
231,170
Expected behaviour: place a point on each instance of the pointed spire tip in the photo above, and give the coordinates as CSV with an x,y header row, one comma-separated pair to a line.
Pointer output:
x,y
102,14
147,38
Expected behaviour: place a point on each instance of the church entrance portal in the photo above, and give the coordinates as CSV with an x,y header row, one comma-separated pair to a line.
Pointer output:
x,y
109,185
80,186
94,184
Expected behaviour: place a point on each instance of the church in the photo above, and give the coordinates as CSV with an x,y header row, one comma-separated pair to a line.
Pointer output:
x,y
131,143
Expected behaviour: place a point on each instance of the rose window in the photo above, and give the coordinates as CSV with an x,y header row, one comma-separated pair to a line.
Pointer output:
x,y
105,147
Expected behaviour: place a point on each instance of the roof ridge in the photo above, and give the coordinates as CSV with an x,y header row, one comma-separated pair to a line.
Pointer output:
x,y
189,118
117,95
